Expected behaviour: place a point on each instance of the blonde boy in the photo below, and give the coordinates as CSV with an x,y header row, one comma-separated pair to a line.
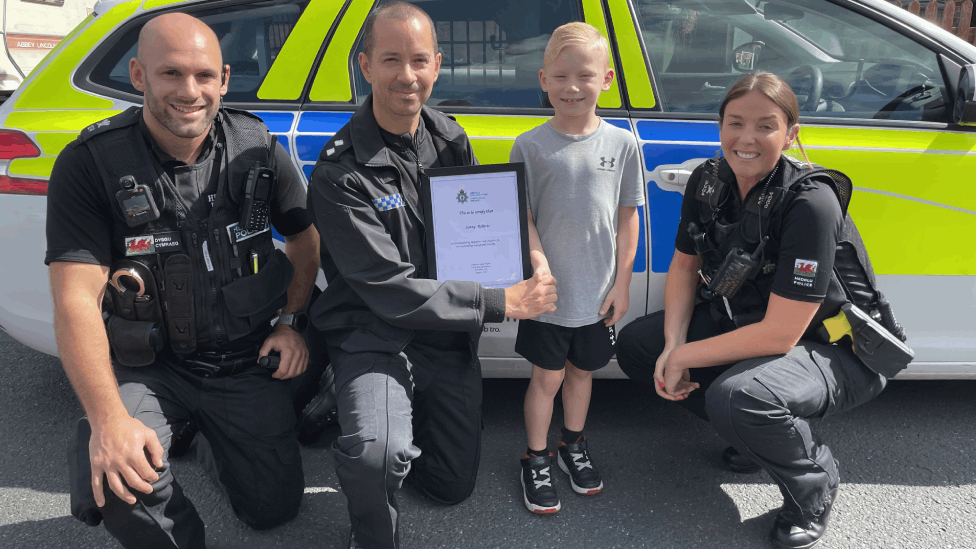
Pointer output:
x,y
584,186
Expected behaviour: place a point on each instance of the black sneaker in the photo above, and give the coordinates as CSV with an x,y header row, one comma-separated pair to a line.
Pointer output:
x,y
574,460
321,412
537,490
182,440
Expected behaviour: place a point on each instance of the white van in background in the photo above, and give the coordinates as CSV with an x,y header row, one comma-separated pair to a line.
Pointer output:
x,y
30,29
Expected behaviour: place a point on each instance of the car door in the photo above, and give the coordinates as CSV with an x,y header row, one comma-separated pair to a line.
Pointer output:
x,y
873,97
492,53
85,79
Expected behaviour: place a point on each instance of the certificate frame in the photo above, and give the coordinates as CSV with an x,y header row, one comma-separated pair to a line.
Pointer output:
x,y
437,178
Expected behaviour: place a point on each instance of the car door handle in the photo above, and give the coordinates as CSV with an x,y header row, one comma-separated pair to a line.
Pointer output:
x,y
708,88
675,176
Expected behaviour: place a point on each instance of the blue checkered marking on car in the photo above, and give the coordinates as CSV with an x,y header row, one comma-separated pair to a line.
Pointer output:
x,y
387,203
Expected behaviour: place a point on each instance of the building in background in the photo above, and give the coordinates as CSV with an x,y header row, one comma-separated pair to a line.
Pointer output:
x,y
32,28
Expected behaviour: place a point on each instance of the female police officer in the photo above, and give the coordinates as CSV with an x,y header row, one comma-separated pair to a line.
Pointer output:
x,y
743,357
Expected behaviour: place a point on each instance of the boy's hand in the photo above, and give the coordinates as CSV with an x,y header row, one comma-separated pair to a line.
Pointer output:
x,y
619,300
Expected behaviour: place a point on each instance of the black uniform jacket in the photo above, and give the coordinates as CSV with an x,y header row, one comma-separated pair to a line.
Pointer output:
x,y
373,251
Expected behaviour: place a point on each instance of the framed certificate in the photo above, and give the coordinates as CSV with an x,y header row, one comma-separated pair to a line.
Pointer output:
x,y
476,224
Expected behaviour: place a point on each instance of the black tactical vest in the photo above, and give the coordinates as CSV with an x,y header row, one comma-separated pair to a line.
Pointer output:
x,y
212,298
761,216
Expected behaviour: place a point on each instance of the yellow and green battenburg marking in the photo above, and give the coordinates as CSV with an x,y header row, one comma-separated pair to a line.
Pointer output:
x,y
288,74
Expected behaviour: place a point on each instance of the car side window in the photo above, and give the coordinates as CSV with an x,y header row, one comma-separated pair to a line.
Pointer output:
x,y
840,64
491,51
250,38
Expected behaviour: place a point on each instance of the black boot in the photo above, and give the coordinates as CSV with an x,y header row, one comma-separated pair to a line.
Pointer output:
x,y
321,412
790,532
738,462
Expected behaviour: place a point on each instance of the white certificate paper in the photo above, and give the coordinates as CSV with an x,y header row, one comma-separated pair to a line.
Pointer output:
x,y
477,227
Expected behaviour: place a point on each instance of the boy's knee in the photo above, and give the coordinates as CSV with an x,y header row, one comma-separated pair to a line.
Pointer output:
x,y
547,381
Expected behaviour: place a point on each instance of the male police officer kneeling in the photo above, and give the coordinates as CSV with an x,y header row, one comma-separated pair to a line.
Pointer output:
x,y
403,346
151,201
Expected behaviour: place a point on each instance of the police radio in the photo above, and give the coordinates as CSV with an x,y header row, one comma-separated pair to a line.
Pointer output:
x,y
737,267
258,190
136,201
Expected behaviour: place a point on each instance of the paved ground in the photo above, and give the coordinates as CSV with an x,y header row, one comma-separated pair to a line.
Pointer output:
x,y
909,477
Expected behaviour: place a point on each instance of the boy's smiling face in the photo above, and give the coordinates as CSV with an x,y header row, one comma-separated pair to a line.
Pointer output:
x,y
575,79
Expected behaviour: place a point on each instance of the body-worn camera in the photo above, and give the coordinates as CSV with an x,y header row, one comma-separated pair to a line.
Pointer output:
x,y
136,201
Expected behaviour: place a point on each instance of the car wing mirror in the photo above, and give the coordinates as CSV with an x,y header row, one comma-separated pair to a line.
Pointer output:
x,y
747,56
964,110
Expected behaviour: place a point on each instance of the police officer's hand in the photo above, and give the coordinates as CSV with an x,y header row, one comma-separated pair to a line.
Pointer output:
x,y
530,298
670,380
291,345
123,449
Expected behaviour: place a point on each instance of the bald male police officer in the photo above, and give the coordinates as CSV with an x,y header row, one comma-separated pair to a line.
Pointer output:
x,y
403,346
147,206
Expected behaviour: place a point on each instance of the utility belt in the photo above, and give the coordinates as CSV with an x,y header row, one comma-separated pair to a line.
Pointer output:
x,y
214,365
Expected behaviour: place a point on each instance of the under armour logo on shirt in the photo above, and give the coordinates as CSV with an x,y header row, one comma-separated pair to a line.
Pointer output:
x,y
388,203
604,161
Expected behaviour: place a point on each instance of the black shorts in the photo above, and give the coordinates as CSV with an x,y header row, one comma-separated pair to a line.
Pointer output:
x,y
549,346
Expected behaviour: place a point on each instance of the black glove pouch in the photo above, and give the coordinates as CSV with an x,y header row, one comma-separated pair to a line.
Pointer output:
x,y
134,342
250,302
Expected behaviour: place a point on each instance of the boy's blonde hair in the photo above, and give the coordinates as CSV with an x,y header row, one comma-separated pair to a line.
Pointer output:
x,y
575,34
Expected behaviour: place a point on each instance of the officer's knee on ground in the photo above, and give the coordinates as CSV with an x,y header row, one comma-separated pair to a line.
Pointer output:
x,y
270,511
448,491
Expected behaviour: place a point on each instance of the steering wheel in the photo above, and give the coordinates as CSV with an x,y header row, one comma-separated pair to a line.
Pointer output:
x,y
883,77
816,86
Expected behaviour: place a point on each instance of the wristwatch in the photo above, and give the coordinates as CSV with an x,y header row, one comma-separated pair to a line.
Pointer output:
x,y
298,321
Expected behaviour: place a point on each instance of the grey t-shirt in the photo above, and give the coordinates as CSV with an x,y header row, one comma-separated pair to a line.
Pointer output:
x,y
576,184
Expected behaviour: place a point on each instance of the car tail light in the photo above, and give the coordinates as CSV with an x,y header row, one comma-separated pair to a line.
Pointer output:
x,y
13,145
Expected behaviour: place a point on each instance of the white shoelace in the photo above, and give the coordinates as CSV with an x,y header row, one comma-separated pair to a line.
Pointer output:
x,y
580,465
540,483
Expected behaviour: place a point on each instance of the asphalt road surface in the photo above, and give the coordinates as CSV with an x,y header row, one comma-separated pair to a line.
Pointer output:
x,y
907,469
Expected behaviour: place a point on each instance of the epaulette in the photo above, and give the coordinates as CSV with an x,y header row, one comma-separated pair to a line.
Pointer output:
x,y
240,112
339,144
125,118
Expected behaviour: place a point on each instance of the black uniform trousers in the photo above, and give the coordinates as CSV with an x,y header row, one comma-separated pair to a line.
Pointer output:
x,y
416,412
764,406
248,421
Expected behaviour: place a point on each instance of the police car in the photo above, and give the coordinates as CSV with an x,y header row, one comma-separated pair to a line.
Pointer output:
x,y
885,96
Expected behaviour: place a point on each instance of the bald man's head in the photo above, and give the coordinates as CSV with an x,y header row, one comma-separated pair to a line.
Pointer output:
x,y
176,28
180,71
